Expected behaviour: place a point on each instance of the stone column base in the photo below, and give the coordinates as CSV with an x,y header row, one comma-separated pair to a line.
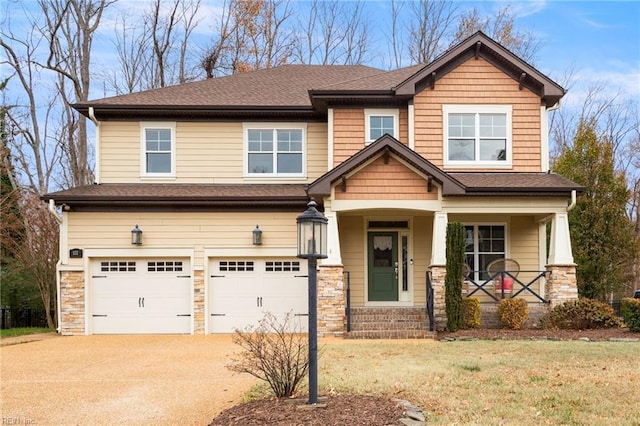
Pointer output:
x,y
561,284
331,300
438,273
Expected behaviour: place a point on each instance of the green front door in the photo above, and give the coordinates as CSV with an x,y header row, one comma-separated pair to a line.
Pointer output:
x,y
383,266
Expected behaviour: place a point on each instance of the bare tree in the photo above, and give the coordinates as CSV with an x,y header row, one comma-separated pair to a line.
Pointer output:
x,y
28,135
69,28
501,27
252,34
395,38
333,33
431,20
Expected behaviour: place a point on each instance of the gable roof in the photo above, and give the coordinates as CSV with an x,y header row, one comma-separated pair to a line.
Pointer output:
x,y
479,45
304,91
386,143
454,183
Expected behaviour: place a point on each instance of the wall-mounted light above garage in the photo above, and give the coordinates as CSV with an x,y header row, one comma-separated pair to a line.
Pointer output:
x,y
136,236
257,236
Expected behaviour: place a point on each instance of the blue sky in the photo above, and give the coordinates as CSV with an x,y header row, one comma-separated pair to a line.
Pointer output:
x,y
599,39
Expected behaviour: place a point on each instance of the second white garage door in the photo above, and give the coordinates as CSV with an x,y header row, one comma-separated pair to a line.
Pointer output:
x,y
242,290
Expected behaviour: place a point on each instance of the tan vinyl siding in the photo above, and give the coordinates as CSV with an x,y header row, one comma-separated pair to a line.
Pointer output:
x,y
119,152
352,245
181,230
317,136
209,152
206,152
479,82
348,133
380,181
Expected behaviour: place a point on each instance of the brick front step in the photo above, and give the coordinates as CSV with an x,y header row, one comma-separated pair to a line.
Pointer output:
x,y
389,323
390,334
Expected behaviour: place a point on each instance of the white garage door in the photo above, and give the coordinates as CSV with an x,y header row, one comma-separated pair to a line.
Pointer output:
x,y
141,296
242,290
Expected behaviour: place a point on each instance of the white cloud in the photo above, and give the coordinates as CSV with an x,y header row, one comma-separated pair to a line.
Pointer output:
x,y
522,9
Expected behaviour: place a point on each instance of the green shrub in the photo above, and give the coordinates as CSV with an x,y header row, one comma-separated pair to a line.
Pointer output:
x,y
581,314
513,313
454,275
470,312
631,313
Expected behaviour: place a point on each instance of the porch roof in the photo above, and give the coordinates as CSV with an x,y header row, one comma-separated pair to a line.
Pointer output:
x,y
164,197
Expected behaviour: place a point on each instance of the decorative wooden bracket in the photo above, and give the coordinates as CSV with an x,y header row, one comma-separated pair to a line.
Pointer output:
x,y
477,54
429,183
433,80
385,157
344,183
521,82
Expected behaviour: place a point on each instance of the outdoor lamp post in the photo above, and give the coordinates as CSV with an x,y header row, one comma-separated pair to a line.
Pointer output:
x,y
312,245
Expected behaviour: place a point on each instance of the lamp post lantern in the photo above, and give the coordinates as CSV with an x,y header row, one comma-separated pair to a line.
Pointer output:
x,y
312,245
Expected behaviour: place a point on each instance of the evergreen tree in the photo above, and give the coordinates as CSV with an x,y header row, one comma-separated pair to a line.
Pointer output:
x,y
454,277
603,242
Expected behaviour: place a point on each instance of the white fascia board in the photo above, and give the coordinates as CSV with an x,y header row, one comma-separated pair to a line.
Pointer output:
x,y
420,205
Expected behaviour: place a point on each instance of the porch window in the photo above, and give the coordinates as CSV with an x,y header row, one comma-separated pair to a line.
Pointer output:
x,y
484,244
379,122
158,149
477,135
275,151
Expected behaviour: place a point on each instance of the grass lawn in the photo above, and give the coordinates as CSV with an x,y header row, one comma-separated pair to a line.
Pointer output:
x,y
22,331
492,382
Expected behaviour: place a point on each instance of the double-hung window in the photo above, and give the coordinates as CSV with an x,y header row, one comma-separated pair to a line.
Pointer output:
x,y
158,148
477,135
484,244
379,122
277,151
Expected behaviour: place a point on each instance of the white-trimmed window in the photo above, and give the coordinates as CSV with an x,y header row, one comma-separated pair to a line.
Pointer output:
x,y
158,149
379,122
274,151
477,135
484,243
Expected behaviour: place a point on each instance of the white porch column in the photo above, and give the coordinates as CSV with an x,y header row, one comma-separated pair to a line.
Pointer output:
x,y
560,248
439,241
333,239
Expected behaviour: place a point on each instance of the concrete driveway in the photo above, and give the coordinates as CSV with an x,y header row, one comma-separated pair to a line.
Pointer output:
x,y
107,380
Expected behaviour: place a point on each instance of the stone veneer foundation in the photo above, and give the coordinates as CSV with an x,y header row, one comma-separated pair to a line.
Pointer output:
x,y
198,302
72,302
331,300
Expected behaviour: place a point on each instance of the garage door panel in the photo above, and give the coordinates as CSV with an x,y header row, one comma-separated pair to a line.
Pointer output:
x,y
141,296
243,290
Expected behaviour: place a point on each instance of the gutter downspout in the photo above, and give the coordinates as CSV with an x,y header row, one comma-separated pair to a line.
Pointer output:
x,y
54,213
92,117
573,200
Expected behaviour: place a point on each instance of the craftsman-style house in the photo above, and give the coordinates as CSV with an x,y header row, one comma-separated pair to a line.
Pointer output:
x,y
191,224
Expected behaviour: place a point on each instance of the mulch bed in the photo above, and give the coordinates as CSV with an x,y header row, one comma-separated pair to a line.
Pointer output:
x,y
604,334
350,410
360,410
